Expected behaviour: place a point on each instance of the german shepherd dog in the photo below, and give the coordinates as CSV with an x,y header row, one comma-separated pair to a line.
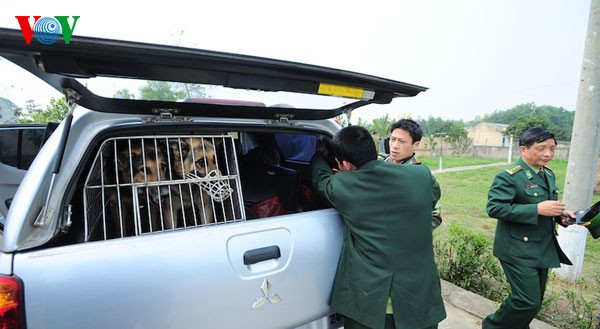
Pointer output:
x,y
192,157
140,163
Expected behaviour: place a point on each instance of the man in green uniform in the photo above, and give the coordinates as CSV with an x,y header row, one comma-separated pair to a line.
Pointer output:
x,y
524,200
405,138
388,250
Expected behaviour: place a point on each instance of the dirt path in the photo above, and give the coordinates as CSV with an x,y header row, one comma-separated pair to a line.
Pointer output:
x,y
437,171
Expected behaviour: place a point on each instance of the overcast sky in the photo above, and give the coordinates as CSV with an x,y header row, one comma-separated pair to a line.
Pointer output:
x,y
476,56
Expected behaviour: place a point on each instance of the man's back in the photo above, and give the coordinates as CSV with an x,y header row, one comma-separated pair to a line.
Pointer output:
x,y
382,202
388,247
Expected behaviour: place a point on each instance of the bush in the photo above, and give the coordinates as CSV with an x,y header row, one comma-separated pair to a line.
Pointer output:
x,y
465,259
576,307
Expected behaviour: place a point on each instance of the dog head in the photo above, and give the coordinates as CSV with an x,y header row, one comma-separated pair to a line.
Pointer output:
x,y
137,164
193,156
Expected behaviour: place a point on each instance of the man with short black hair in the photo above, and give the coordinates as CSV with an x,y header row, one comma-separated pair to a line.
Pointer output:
x,y
386,276
524,200
405,139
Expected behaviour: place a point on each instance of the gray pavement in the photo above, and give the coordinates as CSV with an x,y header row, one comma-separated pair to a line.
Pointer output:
x,y
466,310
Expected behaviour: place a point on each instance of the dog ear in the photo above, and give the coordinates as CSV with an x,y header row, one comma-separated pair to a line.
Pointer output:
x,y
185,148
151,152
208,145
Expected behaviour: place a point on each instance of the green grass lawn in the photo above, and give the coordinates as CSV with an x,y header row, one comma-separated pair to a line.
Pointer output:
x,y
453,161
464,195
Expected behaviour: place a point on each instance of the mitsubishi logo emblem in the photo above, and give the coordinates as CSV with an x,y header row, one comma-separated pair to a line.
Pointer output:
x,y
267,296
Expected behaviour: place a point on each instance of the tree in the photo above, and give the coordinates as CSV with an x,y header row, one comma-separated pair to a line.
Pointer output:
x,y
56,111
168,91
380,127
33,113
161,90
520,124
508,116
431,143
31,109
191,90
560,120
124,94
436,125
458,137
17,114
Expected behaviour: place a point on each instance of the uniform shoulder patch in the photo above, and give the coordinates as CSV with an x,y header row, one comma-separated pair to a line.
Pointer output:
x,y
514,169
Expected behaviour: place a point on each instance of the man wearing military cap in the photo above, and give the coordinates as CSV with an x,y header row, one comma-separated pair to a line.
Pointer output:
x,y
524,200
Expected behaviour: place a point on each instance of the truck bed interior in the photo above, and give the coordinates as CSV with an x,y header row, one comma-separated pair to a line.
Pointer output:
x,y
141,182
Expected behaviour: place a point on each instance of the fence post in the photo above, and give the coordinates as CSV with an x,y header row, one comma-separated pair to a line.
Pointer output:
x,y
510,146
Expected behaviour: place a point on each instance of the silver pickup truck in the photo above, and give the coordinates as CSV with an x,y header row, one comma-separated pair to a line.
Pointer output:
x,y
186,206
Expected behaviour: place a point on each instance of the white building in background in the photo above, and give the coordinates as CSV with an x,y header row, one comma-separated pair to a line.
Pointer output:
x,y
6,110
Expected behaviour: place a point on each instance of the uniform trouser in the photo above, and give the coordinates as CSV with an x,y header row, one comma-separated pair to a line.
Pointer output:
x,y
527,286
389,324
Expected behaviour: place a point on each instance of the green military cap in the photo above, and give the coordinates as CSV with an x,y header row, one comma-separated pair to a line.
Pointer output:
x,y
590,218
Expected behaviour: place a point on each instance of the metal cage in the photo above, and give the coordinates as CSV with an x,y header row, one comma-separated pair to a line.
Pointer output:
x,y
146,184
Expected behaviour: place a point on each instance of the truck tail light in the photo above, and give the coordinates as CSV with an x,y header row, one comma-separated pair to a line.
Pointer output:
x,y
11,303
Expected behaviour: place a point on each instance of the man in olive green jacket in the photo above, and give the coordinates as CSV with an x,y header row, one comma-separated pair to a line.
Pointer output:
x,y
524,200
405,138
388,249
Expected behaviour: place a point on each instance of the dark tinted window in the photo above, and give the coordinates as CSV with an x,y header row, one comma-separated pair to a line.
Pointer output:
x,y
19,146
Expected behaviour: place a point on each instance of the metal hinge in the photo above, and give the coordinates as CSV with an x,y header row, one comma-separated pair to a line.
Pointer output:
x,y
165,115
348,113
71,96
67,222
284,119
43,216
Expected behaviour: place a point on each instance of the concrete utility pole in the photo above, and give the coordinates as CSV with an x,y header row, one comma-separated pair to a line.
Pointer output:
x,y
585,148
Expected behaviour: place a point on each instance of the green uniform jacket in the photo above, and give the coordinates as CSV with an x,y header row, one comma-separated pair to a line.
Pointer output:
x,y
436,214
522,236
388,248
